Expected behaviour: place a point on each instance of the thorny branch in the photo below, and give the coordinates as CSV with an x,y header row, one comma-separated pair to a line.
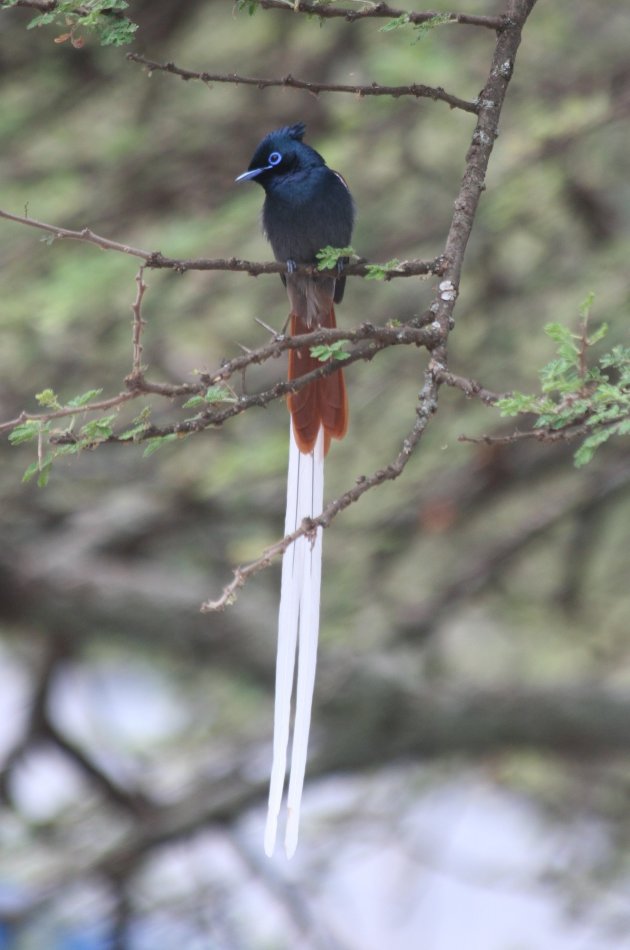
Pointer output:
x,y
416,90
156,260
370,340
322,10
379,10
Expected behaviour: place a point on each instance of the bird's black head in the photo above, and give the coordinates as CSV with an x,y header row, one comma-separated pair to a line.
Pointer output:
x,y
281,153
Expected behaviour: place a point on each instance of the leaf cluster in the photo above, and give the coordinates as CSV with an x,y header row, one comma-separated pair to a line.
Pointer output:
x,y
330,258
575,394
103,18
54,443
420,29
331,351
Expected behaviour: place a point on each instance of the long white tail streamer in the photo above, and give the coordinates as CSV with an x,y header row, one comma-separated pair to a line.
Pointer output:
x,y
298,627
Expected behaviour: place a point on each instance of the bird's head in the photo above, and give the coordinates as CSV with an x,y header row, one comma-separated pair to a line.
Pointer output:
x,y
279,154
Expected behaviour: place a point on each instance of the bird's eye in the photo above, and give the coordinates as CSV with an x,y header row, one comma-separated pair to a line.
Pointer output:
x,y
275,158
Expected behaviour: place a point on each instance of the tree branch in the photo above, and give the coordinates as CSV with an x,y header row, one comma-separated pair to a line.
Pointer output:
x,y
156,260
546,434
417,90
414,333
380,10
470,387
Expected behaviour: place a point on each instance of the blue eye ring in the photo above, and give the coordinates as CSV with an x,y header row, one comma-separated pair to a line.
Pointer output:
x,y
275,158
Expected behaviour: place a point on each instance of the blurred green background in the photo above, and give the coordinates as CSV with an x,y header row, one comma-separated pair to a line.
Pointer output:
x,y
469,754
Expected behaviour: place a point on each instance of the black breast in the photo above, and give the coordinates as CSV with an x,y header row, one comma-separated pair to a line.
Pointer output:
x,y
307,211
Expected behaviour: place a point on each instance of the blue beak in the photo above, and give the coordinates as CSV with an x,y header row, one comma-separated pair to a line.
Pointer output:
x,y
252,173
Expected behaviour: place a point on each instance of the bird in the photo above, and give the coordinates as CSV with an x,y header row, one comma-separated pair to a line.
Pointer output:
x,y
307,207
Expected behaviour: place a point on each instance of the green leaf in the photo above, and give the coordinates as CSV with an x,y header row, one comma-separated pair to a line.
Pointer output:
x,y
559,333
586,451
134,431
41,469
574,395
194,402
42,19
379,271
101,17
518,403
396,24
585,306
97,430
212,395
48,399
154,444
250,6
420,29
440,19
117,34
598,335
330,351
44,474
219,394
24,432
328,257
30,471
84,398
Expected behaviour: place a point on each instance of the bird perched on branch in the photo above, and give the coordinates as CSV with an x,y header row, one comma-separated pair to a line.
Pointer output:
x,y
307,207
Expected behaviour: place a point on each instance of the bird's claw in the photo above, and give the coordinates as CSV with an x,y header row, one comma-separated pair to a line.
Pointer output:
x,y
291,266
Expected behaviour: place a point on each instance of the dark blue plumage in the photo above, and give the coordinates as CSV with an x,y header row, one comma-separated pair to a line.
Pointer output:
x,y
308,206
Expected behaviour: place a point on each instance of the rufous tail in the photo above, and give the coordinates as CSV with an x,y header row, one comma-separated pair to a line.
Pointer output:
x,y
321,404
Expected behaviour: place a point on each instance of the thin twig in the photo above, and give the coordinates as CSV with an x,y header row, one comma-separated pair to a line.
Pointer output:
x,y
544,434
138,324
65,411
417,90
470,387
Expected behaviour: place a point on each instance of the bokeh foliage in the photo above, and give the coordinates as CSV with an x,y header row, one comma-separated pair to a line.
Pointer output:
x,y
90,139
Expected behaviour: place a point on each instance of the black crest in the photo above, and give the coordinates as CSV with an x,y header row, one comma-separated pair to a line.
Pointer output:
x,y
294,131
